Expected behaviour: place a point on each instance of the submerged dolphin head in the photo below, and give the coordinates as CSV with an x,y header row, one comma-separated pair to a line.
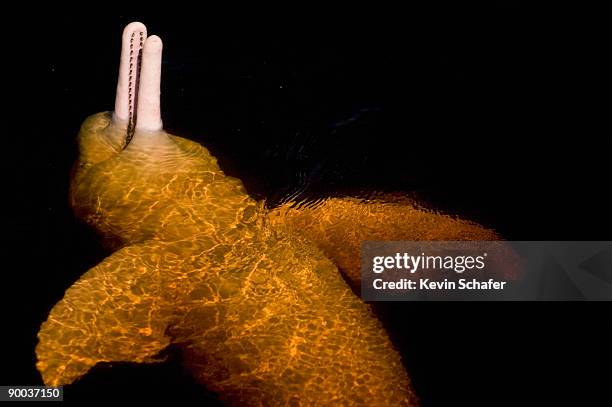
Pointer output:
x,y
133,181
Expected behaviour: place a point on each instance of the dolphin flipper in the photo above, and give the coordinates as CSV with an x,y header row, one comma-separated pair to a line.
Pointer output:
x,y
266,319
113,313
338,226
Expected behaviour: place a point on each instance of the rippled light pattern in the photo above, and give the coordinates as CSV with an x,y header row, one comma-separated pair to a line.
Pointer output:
x,y
252,297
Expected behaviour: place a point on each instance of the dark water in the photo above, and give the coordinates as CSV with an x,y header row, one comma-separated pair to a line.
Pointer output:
x,y
490,114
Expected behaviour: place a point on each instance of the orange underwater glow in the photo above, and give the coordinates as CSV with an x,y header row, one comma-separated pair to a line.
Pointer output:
x,y
252,296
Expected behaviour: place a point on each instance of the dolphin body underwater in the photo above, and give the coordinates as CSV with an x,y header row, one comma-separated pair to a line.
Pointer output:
x,y
253,297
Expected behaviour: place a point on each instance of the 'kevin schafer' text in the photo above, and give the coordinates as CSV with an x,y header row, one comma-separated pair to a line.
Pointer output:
x,y
429,284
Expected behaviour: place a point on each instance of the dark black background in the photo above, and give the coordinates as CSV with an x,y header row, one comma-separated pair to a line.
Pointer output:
x,y
496,114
